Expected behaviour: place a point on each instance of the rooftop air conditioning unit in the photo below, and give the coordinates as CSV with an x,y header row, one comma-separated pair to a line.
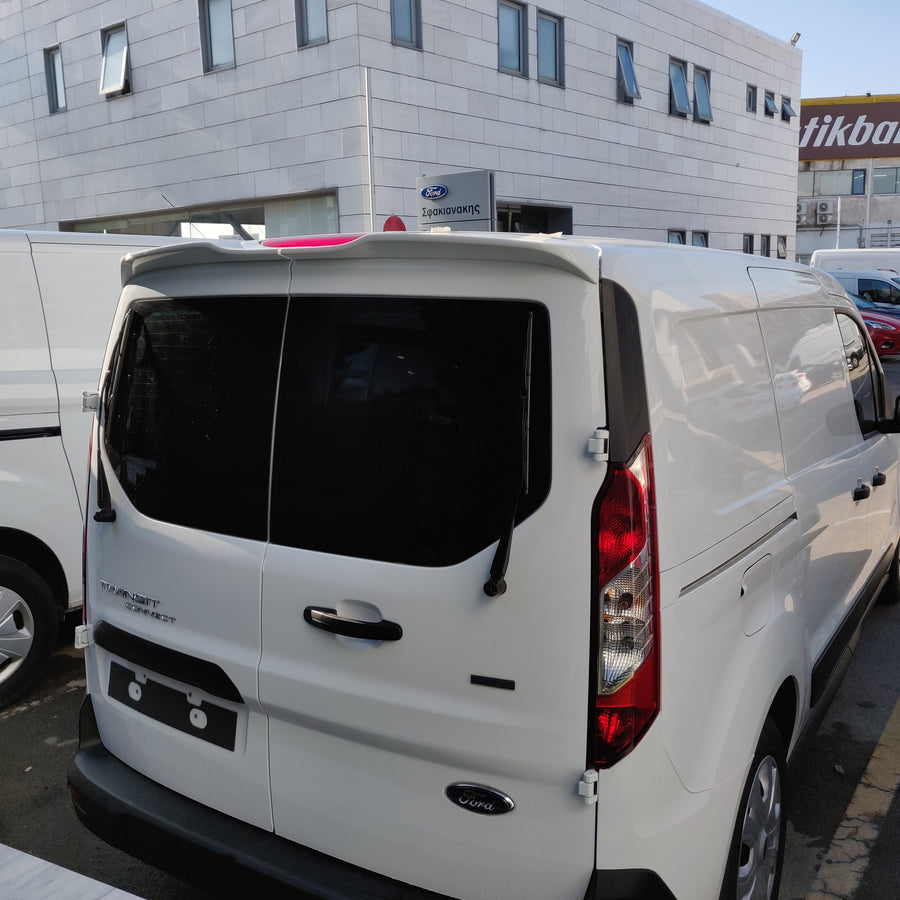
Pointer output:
x,y
824,212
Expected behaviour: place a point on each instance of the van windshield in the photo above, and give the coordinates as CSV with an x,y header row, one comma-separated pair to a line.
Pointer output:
x,y
397,434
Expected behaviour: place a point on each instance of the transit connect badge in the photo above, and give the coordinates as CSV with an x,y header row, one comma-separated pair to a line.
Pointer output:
x,y
478,798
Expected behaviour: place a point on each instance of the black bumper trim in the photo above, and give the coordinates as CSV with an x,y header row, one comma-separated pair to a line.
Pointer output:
x,y
202,846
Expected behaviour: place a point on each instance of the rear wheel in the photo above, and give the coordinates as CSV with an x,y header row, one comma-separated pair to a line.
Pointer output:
x,y
757,845
28,625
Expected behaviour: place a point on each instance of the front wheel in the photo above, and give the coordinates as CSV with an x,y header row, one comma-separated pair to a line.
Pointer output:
x,y
28,627
757,845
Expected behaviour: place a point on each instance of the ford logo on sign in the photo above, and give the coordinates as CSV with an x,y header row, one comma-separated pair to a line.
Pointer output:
x,y
478,798
434,191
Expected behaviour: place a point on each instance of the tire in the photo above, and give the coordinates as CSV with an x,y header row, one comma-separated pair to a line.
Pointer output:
x,y
756,855
28,627
890,593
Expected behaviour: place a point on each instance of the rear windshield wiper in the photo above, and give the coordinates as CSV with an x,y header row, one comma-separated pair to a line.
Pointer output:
x,y
496,584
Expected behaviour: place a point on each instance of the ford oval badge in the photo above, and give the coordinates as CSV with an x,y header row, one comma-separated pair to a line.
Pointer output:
x,y
479,798
434,191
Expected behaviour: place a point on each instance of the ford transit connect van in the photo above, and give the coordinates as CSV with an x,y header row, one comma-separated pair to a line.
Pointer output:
x,y
473,566
58,296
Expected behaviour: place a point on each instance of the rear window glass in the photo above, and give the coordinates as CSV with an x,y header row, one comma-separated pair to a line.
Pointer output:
x,y
190,429
400,426
400,429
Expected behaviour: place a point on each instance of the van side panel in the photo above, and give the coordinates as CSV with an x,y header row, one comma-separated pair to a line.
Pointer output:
x,y
711,402
26,380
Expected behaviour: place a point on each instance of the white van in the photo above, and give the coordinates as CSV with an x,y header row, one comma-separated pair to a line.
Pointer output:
x,y
59,292
860,259
878,286
474,566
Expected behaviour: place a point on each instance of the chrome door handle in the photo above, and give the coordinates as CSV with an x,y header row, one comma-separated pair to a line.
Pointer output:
x,y
329,620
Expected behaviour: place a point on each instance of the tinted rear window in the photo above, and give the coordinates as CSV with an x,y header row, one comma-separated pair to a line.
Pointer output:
x,y
190,430
399,432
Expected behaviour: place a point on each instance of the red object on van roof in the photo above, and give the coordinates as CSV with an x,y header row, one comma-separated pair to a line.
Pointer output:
x,y
314,240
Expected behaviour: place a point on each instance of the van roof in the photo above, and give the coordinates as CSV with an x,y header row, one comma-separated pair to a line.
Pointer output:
x,y
577,254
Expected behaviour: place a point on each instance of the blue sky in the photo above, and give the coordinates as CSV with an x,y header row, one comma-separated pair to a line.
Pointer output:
x,y
849,49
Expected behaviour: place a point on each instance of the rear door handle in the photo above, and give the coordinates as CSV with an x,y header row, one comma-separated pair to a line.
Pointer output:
x,y
329,620
862,491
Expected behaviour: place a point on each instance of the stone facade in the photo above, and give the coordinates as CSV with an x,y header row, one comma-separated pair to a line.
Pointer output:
x,y
283,121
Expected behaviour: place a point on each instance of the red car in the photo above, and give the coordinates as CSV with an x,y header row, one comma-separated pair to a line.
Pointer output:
x,y
884,328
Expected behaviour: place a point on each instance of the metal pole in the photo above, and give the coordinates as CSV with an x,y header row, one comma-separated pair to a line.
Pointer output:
x,y
369,154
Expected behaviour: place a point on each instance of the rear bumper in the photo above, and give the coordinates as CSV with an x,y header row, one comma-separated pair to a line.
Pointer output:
x,y
219,853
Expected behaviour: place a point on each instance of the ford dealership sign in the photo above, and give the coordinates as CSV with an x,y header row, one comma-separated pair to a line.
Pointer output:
x,y
434,191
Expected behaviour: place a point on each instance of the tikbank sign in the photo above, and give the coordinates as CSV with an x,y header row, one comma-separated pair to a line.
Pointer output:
x,y
850,128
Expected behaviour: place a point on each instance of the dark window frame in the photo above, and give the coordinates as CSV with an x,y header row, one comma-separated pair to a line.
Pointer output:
x,y
56,83
558,43
301,14
406,23
521,68
209,39
627,88
679,98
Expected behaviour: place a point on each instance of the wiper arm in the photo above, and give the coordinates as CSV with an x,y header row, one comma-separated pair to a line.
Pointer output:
x,y
496,584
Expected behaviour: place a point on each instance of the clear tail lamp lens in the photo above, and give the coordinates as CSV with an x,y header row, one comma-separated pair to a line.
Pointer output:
x,y
627,690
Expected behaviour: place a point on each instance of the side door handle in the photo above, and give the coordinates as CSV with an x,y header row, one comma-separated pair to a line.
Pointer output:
x,y
329,620
878,479
862,491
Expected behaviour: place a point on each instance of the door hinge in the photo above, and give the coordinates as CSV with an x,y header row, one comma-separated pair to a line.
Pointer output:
x,y
587,787
82,637
598,445
90,401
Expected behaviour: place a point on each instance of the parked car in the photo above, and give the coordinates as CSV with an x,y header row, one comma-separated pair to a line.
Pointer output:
x,y
475,566
881,287
883,326
57,301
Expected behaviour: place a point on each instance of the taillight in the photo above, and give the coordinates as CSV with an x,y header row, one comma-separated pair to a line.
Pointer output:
x,y
627,636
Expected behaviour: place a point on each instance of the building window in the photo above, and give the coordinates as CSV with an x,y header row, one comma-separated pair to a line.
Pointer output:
x,y
787,111
702,101
884,181
700,239
278,217
513,38
550,43
115,73
679,101
310,16
406,23
524,219
781,246
56,87
858,186
216,34
627,90
771,107
765,245
751,98
748,244
677,237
